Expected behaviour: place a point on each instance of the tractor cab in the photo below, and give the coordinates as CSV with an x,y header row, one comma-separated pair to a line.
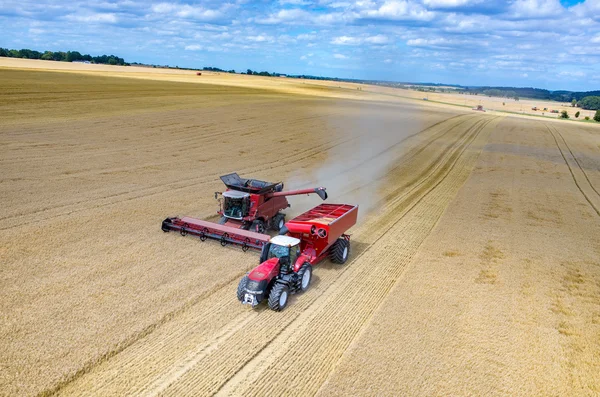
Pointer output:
x,y
286,249
236,204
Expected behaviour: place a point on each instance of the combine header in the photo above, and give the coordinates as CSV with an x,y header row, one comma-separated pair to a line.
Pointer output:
x,y
287,260
247,208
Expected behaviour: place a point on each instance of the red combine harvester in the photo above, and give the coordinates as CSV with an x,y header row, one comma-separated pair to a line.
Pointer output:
x,y
247,208
286,260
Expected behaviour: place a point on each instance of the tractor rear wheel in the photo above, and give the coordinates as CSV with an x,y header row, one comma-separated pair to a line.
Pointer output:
x,y
258,226
278,298
340,251
304,277
242,288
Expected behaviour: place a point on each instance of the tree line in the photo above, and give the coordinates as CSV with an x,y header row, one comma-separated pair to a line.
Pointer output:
x,y
533,93
69,56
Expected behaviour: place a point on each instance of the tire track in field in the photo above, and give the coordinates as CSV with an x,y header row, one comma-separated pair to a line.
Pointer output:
x,y
577,161
159,359
212,372
577,172
349,303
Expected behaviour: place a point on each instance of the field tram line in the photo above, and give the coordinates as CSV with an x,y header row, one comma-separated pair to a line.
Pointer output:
x,y
298,305
211,374
579,183
398,195
412,153
306,345
577,161
409,156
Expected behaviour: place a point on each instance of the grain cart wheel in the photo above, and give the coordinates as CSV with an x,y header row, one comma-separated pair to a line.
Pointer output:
x,y
278,298
258,226
242,288
304,277
340,251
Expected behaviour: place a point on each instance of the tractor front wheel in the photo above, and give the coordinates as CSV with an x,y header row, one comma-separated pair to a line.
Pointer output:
x,y
278,298
258,226
304,277
241,290
340,251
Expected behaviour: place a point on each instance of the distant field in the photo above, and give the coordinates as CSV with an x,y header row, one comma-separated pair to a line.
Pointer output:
x,y
474,267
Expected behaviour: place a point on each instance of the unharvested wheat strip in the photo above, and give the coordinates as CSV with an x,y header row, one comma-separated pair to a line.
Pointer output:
x,y
111,199
204,379
353,306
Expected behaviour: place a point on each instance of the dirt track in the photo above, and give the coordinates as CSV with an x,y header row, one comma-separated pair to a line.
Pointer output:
x,y
96,300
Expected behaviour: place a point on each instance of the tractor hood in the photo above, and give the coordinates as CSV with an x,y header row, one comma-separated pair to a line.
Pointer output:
x,y
266,270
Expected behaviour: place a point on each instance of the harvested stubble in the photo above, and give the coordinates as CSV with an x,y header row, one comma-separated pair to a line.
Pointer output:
x,y
98,301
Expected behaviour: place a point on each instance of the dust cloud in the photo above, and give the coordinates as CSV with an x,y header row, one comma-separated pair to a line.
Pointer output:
x,y
354,171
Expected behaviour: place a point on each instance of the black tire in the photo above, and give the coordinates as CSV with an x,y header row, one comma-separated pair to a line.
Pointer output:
x,y
340,251
305,270
258,226
222,220
278,222
279,296
241,291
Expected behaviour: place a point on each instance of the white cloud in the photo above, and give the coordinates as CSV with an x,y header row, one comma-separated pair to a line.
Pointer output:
x,y
191,12
448,4
294,2
93,18
572,74
340,56
260,38
533,9
378,39
399,10
346,40
193,47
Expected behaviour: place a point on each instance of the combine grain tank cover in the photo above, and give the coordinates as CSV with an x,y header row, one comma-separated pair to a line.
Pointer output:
x,y
285,241
234,182
235,194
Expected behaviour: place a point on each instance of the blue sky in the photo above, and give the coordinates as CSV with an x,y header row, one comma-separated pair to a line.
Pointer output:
x,y
532,43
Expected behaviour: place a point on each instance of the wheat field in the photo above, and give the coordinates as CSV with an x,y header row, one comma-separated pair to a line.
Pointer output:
x,y
474,266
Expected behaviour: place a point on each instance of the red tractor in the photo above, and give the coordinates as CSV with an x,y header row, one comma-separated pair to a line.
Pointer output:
x,y
248,208
287,260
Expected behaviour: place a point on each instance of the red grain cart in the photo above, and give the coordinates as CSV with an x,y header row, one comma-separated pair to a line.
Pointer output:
x,y
287,260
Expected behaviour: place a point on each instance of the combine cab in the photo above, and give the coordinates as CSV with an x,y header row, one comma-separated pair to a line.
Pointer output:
x,y
247,208
287,260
